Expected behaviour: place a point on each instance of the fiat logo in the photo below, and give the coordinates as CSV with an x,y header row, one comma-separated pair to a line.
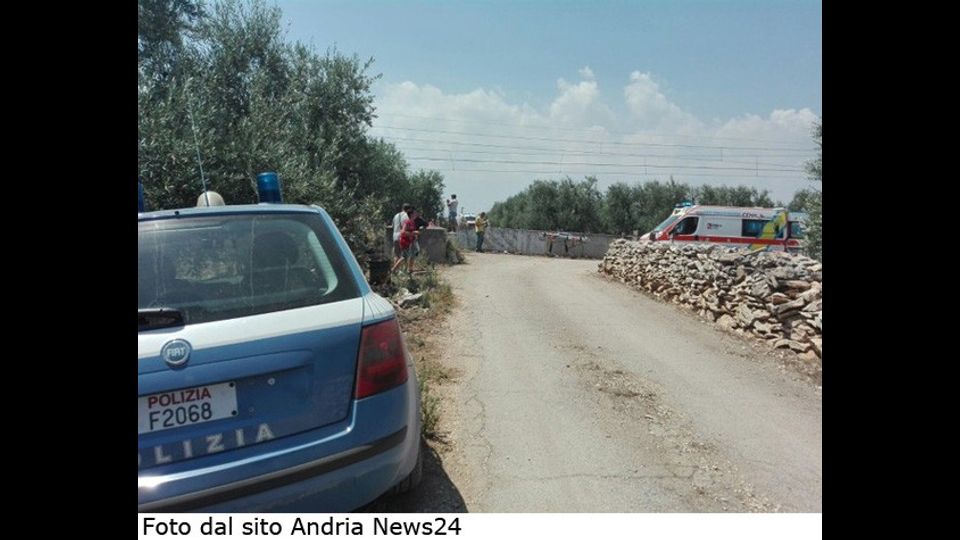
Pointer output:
x,y
176,353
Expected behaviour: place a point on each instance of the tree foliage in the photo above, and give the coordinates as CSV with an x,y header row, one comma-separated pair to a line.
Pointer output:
x,y
162,27
550,205
222,77
801,200
814,241
733,196
622,210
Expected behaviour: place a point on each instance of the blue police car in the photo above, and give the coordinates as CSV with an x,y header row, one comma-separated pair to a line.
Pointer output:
x,y
270,376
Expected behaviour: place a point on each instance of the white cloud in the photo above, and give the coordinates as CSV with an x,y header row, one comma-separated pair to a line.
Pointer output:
x,y
651,108
480,139
579,105
782,123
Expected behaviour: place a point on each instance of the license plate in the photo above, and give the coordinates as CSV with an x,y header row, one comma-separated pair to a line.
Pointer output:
x,y
188,406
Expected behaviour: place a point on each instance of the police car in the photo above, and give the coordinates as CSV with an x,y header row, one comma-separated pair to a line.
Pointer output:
x,y
270,376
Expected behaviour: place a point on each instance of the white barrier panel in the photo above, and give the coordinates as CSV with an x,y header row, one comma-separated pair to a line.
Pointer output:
x,y
560,526
530,242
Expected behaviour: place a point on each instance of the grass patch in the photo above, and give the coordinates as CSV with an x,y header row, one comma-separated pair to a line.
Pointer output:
x,y
432,372
420,322
454,253
437,293
440,297
429,408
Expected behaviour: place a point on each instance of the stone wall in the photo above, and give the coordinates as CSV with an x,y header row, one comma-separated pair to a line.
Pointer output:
x,y
776,297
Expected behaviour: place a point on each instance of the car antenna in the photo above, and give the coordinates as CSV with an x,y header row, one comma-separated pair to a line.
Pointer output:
x,y
196,142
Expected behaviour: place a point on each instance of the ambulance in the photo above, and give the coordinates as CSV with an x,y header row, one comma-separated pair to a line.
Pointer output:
x,y
771,229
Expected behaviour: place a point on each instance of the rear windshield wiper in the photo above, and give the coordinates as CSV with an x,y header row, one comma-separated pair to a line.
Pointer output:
x,y
158,317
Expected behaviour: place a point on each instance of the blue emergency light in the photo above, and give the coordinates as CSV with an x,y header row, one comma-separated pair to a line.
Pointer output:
x,y
268,187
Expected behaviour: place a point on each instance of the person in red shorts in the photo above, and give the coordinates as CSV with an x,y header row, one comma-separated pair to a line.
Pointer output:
x,y
408,235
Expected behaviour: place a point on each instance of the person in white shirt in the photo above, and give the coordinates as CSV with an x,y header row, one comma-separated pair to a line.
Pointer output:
x,y
398,220
452,205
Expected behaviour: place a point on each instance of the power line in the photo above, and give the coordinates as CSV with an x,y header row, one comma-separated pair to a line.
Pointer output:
x,y
537,151
577,130
612,173
614,143
566,163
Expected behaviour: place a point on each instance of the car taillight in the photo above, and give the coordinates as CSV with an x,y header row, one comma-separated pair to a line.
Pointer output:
x,y
381,364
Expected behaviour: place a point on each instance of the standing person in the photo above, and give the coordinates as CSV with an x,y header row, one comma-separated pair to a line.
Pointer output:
x,y
452,205
420,224
481,225
408,235
398,220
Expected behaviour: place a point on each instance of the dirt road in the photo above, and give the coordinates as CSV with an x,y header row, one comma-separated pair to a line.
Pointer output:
x,y
574,393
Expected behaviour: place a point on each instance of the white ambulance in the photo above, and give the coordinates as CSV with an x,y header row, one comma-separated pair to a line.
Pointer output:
x,y
774,229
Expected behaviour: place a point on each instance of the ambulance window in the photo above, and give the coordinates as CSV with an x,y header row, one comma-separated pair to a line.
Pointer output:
x,y
666,223
752,228
687,226
796,229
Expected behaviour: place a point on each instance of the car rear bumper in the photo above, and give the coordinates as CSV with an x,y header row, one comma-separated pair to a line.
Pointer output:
x,y
334,472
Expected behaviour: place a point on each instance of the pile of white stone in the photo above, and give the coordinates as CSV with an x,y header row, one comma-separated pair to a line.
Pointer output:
x,y
773,296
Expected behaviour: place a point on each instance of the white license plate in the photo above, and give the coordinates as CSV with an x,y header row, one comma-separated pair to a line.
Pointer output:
x,y
188,406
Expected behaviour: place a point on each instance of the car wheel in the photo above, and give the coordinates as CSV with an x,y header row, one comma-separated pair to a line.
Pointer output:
x,y
416,475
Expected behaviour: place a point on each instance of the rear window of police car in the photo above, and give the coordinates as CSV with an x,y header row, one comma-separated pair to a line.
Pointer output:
x,y
221,267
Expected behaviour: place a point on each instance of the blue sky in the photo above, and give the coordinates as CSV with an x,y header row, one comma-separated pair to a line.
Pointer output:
x,y
613,83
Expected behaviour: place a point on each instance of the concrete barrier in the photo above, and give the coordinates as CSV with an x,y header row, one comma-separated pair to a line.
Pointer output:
x,y
433,244
530,242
